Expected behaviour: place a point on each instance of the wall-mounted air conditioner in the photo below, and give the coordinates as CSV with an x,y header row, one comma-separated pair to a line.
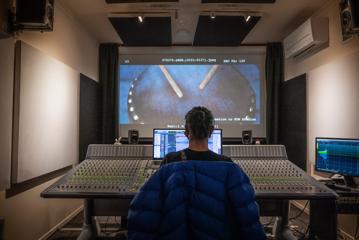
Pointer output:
x,y
309,36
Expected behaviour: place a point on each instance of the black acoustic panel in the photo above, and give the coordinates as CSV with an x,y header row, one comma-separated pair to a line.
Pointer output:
x,y
222,30
90,114
2,223
293,120
153,31
238,1
139,1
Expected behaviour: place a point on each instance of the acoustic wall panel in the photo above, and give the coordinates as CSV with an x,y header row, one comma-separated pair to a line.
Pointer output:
x,y
293,120
6,105
46,114
90,114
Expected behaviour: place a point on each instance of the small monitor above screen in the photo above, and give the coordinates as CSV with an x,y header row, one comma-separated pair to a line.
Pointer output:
x,y
340,156
173,140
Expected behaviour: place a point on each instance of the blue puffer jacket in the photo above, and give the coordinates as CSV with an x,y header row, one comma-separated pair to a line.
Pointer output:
x,y
195,200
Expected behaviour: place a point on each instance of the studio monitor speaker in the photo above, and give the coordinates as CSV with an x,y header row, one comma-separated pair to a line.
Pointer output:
x,y
5,19
2,223
34,15
349,14
247,137
133,136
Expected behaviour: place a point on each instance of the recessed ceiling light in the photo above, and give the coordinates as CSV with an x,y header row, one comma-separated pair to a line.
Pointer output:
x,y
213,16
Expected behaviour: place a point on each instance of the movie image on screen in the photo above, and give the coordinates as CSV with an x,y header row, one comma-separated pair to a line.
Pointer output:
x,y
151,94
157,88
173,140
339,156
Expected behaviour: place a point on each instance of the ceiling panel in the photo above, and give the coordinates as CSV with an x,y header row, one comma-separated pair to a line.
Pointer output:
x,y
222,30
138,1
153,31
238,1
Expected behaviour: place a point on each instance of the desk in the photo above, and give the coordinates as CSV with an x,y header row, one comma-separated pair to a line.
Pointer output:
x,y
107,185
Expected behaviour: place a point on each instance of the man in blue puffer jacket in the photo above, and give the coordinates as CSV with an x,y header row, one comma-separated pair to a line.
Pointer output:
x,y
200,195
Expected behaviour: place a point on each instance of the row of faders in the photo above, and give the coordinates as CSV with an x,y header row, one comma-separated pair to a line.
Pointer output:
x,y
110,176
277,176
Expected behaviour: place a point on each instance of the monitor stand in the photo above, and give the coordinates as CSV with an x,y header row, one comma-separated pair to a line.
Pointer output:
x,y
350,182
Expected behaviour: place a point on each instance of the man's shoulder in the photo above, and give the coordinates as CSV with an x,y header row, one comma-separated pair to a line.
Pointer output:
x,y
171,157
222,157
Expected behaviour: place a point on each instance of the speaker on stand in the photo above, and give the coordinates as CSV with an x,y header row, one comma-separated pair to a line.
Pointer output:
x,y
247,137
133,136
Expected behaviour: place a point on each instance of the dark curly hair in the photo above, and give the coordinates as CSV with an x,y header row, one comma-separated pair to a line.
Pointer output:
x,y
199,122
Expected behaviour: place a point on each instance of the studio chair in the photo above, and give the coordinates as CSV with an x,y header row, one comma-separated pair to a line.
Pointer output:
x,y
196,200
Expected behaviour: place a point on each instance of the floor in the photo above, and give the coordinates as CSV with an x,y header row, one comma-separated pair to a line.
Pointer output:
x,y
111,226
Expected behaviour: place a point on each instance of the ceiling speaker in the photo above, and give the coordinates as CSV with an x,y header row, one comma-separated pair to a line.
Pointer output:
x,y
349,14
35,15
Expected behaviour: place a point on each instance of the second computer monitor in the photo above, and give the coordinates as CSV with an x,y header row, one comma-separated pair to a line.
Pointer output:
x,y
173,140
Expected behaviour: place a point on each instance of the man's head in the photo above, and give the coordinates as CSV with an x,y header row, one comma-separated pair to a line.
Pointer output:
x,y
199,123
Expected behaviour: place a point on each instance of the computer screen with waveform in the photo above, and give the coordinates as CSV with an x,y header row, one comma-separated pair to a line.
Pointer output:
x,y
173,140
334,155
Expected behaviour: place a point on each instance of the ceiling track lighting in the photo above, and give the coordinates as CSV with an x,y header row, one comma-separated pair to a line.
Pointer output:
x,y
140,19
247,18
212,15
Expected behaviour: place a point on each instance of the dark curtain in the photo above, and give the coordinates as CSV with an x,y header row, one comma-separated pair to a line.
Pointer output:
x,y
274,77
108,79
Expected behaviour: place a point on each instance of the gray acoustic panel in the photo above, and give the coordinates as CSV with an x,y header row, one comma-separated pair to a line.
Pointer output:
x,y
46,121
256,151
102,151
6,104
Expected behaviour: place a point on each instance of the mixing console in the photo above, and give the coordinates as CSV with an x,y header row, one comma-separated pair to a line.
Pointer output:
x,y
255,151
109,151
107,173
279,177
105,177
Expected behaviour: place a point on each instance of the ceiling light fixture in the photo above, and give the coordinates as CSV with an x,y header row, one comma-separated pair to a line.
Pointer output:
x,y
212,15
140,18
248,18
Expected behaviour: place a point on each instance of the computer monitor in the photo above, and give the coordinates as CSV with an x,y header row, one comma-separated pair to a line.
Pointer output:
x,y
172,140
337,155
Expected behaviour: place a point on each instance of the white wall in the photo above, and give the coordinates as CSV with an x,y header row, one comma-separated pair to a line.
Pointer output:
x,y
27,216
332,91
337,48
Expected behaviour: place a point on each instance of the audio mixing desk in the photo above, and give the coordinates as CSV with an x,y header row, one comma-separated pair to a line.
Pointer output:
x,y
117,173
108,175
105,178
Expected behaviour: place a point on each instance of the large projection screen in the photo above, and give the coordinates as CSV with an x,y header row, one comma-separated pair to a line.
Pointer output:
x,y
158,87
46,114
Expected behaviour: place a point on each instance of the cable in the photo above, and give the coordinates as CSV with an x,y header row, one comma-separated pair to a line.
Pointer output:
x,y
300,213
356,237
271,221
